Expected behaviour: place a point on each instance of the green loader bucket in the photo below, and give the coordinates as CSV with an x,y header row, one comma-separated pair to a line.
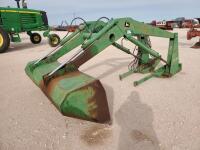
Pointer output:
x,y
75,94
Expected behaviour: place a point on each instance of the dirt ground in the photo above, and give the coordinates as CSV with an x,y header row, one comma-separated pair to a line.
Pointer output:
x,y
160,114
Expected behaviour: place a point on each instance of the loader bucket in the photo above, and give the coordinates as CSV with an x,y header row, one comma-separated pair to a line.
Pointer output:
x,y
196,45
75,94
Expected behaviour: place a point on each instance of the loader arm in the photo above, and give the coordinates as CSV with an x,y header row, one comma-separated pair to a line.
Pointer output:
x,y
127,28
79,95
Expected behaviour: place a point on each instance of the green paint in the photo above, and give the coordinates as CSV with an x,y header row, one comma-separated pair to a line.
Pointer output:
x,y
68,85
18,20
75,94
77,103
37,74
22,20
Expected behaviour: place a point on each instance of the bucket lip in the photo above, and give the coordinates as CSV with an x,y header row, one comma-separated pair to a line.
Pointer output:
x,y
88,118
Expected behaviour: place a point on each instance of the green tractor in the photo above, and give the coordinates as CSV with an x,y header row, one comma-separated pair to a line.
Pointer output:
x,y
17,20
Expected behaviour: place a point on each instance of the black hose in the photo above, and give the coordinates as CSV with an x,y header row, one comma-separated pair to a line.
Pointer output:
x,y
68,33
77,18
96,25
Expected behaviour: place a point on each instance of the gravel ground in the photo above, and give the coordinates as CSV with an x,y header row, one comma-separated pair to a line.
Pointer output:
x,y
160,114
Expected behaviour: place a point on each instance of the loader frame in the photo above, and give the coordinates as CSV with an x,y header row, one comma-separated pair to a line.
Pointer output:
x,y
94,37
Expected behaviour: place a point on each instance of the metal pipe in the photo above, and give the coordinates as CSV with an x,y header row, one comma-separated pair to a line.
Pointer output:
x,y
18,5
124,75
64,41
124,49
66,62
69,37
145,48
45,56
136,83
141,45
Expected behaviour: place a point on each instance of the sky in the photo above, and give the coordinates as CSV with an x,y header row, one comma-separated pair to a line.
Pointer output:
x,y
141,10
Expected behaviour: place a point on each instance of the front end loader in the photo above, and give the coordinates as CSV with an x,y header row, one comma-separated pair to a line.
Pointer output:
x,y
79,95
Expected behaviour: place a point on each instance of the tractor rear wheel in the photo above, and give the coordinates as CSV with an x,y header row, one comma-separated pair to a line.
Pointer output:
x,y
4,40
54,40
35,38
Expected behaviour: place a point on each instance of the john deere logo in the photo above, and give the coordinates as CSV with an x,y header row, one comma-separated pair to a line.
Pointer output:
x,y
127,24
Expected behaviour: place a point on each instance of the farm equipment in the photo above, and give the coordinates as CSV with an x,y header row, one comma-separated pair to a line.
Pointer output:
x,y
17,20
66,27
79,95
190,23
193,33
165,25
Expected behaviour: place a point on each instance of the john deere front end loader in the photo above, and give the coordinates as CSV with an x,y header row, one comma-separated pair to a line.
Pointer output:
x,y
79,95
17,20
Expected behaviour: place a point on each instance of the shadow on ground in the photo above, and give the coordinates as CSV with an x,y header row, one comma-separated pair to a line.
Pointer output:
x,y
115,64
135,119
184,44
24,46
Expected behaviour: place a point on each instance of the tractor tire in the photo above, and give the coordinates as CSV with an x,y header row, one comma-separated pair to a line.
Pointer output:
x,y
35,38
54,40
4,41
